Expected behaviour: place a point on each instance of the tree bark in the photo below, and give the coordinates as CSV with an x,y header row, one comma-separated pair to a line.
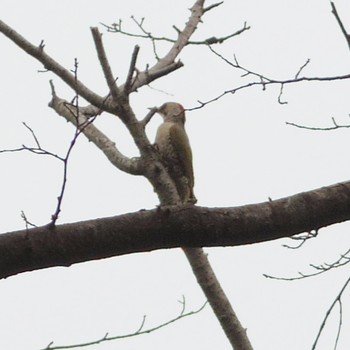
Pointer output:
x,y
170,227
219,302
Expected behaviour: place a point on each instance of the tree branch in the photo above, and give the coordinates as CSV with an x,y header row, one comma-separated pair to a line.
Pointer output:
x,y
219,302
334,127
210,7
141,331
336,300
168,60
263,82
147,230
117,28
107,146
129,78
107,71
50,64
341,25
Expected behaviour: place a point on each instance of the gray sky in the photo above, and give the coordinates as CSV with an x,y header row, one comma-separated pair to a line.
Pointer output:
x,y
243,153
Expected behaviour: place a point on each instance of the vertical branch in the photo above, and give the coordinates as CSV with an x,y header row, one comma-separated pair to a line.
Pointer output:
x,y
107,70
336,300
78,129
128,82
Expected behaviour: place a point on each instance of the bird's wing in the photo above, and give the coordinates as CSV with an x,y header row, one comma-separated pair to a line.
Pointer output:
x,y
181,146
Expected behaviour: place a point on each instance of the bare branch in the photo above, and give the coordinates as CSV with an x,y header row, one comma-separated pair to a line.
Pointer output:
x,y
206,278
129,79
55,215
341,25
336,300
50,64
336,126
301,68
149,116
41,151
214,40
63,108
339,324
107,71
263,83
33,134
147,35
27,222
279,99
140,331
150,75
210,7
343,260
168,228
36,150
169,59
117,28
303,238
78,129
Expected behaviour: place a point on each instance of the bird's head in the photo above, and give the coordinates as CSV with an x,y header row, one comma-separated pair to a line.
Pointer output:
x,y
172,112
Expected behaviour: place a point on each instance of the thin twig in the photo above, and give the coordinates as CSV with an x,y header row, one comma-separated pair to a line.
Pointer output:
x,y
301,68
27,222
55,215
33,134
343,260
36,150
263,84
139,331
263,80
336,126
116,28
279,98
336,300
147,34
339,325
303,238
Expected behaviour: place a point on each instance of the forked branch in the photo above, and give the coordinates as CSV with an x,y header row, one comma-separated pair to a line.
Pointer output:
x,y
50,64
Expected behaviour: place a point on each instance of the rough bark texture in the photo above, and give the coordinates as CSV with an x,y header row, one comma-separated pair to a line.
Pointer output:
x,y
186,226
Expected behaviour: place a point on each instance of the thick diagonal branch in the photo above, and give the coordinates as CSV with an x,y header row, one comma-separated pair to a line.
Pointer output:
x,y
168,61
93,134
50,64
219,302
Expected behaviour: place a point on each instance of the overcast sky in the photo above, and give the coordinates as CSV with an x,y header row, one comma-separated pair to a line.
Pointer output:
x,y
243,153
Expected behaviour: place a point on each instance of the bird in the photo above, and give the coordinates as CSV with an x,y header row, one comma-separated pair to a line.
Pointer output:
x,y
174,148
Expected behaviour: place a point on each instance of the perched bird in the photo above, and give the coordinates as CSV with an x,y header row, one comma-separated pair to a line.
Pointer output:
x,y
174,147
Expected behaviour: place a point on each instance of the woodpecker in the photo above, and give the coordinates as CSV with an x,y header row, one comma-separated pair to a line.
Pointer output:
x,y
175,150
